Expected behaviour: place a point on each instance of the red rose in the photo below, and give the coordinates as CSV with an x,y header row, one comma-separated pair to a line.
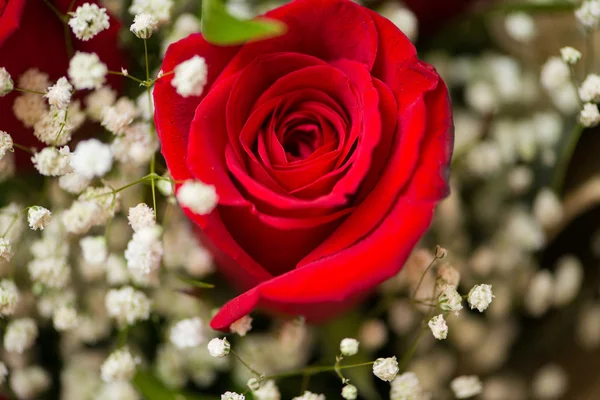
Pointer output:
x,y
328,147
32,36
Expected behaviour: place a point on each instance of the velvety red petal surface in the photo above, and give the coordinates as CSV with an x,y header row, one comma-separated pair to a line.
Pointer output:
x,y
328,147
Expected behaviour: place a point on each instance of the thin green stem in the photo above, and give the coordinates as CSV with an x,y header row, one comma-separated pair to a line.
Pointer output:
x,y
29,91
248,367
316,370
423,277
55,10
21,147
146,59
10,226
560,171
62,127
152,184
133,78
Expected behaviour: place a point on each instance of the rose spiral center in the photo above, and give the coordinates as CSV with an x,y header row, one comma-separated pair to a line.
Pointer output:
x,y
301,141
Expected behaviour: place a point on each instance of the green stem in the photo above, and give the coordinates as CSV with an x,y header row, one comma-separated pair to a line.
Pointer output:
x,y
10,226
21,147
565,158
255,372
146,59
423,276
152,184
316,370
29,91
133,78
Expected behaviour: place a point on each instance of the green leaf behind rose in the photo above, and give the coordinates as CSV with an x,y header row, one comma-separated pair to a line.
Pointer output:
x,y
221,28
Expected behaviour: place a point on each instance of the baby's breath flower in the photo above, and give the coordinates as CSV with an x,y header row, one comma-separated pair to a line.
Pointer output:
x,y
20,335
127,305
98,100
6,82
187,333
466,386
80,217
406,387
520,26
218,347
54,127
73,183
59,94
349,346
93,249
568,279
242,325
589,91
550,382
118,117
9,297
29,382
480,297
121,390
143,25
88,20
6,251
450,300
447,275
198,197
190,77
570,55
253,384
232,396
145,250
438,327
6,143
140,217
349,392
267,391
588,14
51,161
86,71
589,115
159,9
29,108
119,366
386,369
38,217
51,272
555,73
92,158
310,396
34,79
136,146
64,318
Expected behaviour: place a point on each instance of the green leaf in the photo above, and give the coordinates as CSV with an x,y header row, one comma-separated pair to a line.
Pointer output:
x,y
194,282
331,335
221,28
152,389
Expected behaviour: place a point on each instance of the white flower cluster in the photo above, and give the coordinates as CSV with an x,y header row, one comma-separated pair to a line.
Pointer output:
x,y
6,82
20,335
198,197
119,366
88,20
127,305
588,14
190,77
143,25
6,144
188,333
159,9
86,71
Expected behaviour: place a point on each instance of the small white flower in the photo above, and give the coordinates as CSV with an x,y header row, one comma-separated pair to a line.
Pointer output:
x,y
232,396
386,369
190,77
98,100
73,183
349,346
29,382
86,71
450,300
159,9
6,144
349,392
88,20
119,366
59,94
550,382
588,14
143,25
38,217
6,82
137,146
6,251
20,335
51,161
218,347
267,391
480,297
51,272
447,275
402,17
589,91
93,249
64,318
520,26
140,217
119,116
127,305
198,197
568,279
92,158
310,396
438,327
145,250
29,108
466,386
570,55
406,387
242,326
253,384
9,297
589,115
555,73
188,333
34,79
